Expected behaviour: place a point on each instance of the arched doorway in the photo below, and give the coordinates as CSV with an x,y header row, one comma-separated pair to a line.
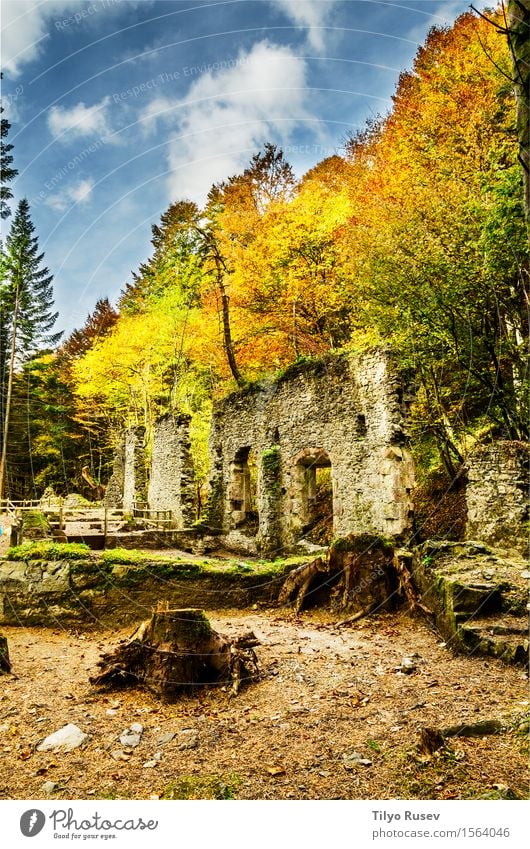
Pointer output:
x,y
243,492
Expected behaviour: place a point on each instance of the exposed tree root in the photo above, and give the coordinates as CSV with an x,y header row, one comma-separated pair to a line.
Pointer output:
x,y
359,615
362,577
433,739
402,563
299,580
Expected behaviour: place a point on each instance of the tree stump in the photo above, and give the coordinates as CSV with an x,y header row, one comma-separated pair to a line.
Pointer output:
x,y
403,561
5,665
177,650
360,572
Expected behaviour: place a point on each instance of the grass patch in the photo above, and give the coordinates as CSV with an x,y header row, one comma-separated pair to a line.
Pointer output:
x,y
164,565
202,787
34,520
43,550
124,555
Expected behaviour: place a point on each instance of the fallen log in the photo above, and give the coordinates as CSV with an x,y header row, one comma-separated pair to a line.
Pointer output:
x,y
177,650
432,739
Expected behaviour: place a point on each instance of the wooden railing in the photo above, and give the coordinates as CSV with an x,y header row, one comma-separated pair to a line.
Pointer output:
x,y
141,513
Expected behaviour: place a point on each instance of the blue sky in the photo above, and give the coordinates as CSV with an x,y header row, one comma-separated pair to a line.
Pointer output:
x,y
119,107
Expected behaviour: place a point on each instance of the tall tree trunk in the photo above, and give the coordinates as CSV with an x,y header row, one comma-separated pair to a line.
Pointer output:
x,y
220,270
518,34
227,333
7,416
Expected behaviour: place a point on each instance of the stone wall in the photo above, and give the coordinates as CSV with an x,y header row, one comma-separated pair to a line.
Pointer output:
x,y
171,484
267,442
134,468
97,592
478,598
497,494
115,486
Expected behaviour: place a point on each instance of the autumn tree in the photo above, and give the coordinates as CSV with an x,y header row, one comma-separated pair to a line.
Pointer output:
x,y
438,238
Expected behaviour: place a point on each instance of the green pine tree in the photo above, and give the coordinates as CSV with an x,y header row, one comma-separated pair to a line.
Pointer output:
x,y
6,171
26,304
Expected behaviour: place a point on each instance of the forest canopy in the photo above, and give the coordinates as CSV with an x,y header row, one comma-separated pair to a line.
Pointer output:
x,y
413,237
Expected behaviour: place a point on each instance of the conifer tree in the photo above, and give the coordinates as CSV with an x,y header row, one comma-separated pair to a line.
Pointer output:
x,y
6,171
26,304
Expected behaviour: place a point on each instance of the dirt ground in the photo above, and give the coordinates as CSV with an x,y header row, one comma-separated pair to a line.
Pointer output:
x,y
325,694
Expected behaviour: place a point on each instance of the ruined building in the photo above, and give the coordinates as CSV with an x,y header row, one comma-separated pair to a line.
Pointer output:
x,y
341,413
340,421
269,445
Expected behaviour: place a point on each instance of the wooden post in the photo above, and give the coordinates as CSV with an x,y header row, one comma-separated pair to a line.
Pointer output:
x,y
5,665
105,522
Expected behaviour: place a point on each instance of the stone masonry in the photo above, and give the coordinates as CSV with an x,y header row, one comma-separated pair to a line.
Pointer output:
x,y
115,486
497,494
343,413
171,483
134,471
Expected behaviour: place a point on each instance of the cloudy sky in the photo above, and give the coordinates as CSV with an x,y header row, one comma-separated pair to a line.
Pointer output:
x,y
119,107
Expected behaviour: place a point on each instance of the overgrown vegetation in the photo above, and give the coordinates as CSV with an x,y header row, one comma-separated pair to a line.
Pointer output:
x,y
43,550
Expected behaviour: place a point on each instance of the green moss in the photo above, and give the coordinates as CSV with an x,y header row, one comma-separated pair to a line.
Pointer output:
x,y
124,555
271,460
316,366
43,550
360,543
202,787
34,520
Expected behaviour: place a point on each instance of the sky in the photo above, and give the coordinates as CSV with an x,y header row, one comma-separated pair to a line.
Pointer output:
x,y
120,107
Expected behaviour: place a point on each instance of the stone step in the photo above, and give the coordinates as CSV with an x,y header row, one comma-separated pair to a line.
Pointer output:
x,y
505,637
472,598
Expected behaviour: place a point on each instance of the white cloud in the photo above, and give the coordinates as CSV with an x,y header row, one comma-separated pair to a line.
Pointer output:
x,y
80,120
311,15
228,116
25,25
80,192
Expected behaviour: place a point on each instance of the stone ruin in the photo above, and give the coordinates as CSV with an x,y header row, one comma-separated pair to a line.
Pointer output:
x,y
497,495
268,444
339,426
167,482
342,415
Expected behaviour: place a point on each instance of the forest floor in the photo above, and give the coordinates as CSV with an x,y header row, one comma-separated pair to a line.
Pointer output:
x,y
333,717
